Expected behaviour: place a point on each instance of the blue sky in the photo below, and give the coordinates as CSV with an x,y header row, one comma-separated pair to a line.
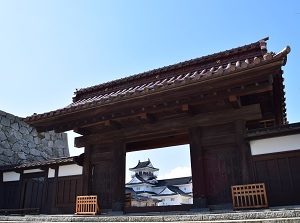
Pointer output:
x,y
49,48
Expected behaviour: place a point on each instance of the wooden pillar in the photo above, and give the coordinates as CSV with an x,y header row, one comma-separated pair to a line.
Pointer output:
x,y
87,172
54,191
43,208
118,202
197,164
244,152
1,190
21,190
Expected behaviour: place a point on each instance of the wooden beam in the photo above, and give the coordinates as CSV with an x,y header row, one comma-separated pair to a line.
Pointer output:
x,y
81,131
234,101
187,109
164,141
149,118
112,124
179,125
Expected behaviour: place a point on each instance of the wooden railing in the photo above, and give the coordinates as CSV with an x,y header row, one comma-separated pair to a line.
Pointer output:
x,y
87,205
249,196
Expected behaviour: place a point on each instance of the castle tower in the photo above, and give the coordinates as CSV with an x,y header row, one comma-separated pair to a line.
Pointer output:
x,y
144,170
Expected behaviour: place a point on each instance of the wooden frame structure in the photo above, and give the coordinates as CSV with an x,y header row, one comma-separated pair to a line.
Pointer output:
x,y
249,196
208,102
87,205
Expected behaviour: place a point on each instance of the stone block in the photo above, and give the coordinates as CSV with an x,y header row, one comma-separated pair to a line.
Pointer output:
x,y
8,153
44,155
66,152
50,144
2,113
22,156
21,123
2,136
10,116
34,132
35,152
64,136
31,145
24,130
37,140
4,160
15,126
5,121
4,145
16,147
25,149
47,136
29,138
59,144
18,135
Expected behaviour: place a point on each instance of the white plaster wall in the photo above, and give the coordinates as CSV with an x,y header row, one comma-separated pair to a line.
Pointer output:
x,y
51,173
276,144
167,200
186,188
69,170
142,188
11,176
33,171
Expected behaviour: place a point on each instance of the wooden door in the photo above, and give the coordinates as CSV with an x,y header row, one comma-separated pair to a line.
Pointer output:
x,y
221,169
102,184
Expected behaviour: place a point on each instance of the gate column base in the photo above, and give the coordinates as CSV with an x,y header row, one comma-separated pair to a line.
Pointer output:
x,y
117,207
199,203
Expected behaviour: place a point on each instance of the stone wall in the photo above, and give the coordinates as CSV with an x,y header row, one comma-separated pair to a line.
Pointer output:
x,y
20,143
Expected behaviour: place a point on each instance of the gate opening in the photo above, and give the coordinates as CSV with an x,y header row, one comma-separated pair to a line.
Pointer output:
x,y
159,177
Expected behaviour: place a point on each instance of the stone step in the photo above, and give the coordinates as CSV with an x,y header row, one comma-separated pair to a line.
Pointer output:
x,y
263,216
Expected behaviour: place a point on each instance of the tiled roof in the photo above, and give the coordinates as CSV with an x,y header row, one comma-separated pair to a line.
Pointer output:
x,y
211,66
174,190
145,192
144,164
174,181
142,181
260,45
274,131
39,164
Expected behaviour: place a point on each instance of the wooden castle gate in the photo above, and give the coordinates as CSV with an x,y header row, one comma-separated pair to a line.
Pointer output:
x,y
208,102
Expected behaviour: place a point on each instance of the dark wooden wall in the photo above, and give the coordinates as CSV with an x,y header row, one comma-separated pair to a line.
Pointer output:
x,y
10,194
40,194
68,188
281,174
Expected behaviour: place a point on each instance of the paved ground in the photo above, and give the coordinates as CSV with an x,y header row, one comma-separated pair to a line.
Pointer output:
x,y
273,215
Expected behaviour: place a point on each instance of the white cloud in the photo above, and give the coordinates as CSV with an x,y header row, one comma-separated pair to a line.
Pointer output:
x,y
181,171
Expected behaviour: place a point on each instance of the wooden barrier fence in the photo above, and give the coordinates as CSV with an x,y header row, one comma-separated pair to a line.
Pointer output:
x,y
249,196
87,205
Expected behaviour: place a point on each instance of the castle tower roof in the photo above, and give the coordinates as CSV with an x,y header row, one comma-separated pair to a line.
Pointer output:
x,y
144,165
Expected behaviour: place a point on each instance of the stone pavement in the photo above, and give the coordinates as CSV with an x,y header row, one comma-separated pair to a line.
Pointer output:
x,y
273,215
